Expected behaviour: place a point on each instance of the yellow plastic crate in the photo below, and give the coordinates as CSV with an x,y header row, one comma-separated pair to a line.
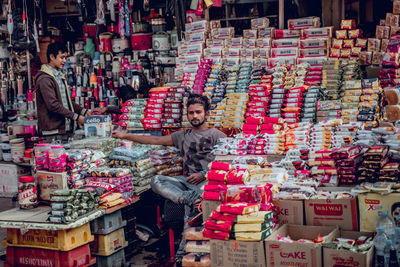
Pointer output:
x,y
64,240
105,245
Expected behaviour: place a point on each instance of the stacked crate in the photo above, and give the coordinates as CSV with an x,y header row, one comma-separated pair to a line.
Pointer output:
x,y
49,247
109,239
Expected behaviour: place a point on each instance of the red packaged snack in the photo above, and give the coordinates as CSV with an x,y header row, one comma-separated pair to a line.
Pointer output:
x,y
217,175
238,176
216,234
254,120
215,215
351,161
218,225
250,127
345,152
346,170
348,24
216,165
208,195
238,208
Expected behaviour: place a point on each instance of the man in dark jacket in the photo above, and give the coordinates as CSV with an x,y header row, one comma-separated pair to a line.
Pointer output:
x,y
57,114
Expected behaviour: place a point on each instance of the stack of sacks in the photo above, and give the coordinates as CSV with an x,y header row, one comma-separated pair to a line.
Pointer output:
x,y
322,167
331,78
188,78
293,104
167,162
172,115
352,91
294,160
185,123
215,86
133,111
347,159
347,43
297,189
68,205
197,247
141,169
296,137
233,146
256,146
243,81
314,72
375,158
155,108
222,173
328,110
275,142
278,91
235,110
348,131
270,125
390,172
323,135
104,144
301,73
274,176
392,96
259,100
233,77
201,76
243,221
217,117
351,69
120,178
311,98
370,107
285,49
389,75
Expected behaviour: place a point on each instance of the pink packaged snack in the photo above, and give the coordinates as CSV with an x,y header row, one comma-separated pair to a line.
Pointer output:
x,y
351,161
346,170
345,152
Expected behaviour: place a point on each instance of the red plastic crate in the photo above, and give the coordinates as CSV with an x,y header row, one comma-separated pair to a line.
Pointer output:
x,y
24,257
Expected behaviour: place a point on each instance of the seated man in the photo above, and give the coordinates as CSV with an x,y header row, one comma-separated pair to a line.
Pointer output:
x,y
195,146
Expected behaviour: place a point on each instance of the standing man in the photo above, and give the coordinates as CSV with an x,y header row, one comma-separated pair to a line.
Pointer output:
x,y
57,114
195,146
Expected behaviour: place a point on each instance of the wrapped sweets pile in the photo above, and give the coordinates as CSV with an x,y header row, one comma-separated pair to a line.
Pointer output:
x,y
332,78
389,75
297,136
328,110
348,42
222,173
370,106
140,171
235,110
233,77
375,158
202,74
352,91
155,108
79,162
293,104
348,131
133,111
244,76
167,162
232,145
314,71
351,69
240,221
70,204
257,76
390,137
301,73
103,144
197,247
323,135
278,90
259,97
172,115
322,167
119,178
311,98
347,160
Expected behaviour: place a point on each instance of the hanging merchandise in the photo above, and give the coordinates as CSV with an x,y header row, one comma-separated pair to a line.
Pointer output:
x,y
161,41
141,41
110,7
124,23
100,19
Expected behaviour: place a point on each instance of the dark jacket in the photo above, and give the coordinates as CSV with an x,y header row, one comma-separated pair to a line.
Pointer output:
x,y
50,110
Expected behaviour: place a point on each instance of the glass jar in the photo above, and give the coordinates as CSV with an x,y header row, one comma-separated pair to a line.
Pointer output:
x,y
57,159
42,156
27,192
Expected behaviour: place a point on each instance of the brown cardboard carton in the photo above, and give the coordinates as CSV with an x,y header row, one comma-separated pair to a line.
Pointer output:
x,y
340,212
370,203
297,254
233,253
209,206
49,182
334,257
289,211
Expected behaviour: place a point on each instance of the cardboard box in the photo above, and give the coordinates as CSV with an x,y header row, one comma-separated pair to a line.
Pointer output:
x,y
297,254
9,174
49,182
334,257
370,203
326,212
209,206
98,125
289,211
233,253
60,6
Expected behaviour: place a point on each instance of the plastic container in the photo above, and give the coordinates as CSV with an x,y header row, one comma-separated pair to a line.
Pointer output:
x,y
115,260
380,244
63,240
105,245
108,223
42,156
57,159
24,257
387,223
27,192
